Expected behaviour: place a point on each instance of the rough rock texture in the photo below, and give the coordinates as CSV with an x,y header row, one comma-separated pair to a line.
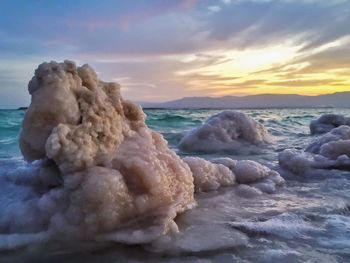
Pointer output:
x,y
225,131
99,174
323,144
114,169
330,151
327,122
210,175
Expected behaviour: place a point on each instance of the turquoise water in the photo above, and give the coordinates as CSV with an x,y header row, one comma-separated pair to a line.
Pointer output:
x,y
10,125
306,221
290,127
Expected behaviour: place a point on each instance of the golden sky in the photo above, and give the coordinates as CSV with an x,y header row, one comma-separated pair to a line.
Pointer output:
x,y
164,50
283,69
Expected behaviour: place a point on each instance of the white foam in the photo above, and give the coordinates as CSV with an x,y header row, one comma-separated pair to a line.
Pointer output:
x,y
197,238
338,231
284,225
247,191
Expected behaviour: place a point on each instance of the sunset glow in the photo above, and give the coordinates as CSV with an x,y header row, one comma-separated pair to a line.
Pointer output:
x,y
164,50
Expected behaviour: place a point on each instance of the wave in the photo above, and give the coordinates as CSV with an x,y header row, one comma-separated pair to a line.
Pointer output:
x,y
171,117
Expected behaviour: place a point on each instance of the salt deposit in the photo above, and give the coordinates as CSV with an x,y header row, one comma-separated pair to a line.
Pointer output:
x,y
330,151
209,176
99,173
327,122
340,134
110,167
306,220
226,172
227,131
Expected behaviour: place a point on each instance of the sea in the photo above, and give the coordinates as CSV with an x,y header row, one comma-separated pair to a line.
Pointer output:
x,y
308,220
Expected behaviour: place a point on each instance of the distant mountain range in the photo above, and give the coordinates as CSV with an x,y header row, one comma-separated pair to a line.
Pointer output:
x,y
340,99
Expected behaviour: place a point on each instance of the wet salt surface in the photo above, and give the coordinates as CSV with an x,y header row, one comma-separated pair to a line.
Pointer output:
x,y
307,220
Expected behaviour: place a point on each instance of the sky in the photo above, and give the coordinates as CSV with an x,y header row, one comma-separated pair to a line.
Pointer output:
x,y
163,50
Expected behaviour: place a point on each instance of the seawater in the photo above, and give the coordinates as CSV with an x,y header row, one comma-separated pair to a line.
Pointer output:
x,y
306,221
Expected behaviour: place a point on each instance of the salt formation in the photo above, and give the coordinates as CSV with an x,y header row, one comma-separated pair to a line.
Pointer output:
x,y
227,172
226,131
323,144
98,173
327,122
114,172
209,176
330,151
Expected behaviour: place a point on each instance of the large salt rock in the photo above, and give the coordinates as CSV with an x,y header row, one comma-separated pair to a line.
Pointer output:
x,y
330,151
327,122
210,175
117,176
227,131
56,103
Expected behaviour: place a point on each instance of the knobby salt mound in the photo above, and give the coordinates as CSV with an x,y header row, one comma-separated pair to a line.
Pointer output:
x,y
101,173
330,151
220,172
230,131
327,122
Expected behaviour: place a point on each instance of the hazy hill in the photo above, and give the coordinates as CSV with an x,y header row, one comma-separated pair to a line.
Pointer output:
x,y
341,99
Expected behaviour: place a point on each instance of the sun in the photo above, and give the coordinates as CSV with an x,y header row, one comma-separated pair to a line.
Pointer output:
x,y
247,61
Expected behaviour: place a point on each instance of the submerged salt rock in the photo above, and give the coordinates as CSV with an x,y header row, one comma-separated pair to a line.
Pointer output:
x,y
247,191
112,167
249,171
329,151
225,131
340,134
334,149
327,122
299,162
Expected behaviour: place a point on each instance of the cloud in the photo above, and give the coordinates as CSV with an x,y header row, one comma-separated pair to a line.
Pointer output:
x,y
167,49
170,27
258,23
214,8
303,83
